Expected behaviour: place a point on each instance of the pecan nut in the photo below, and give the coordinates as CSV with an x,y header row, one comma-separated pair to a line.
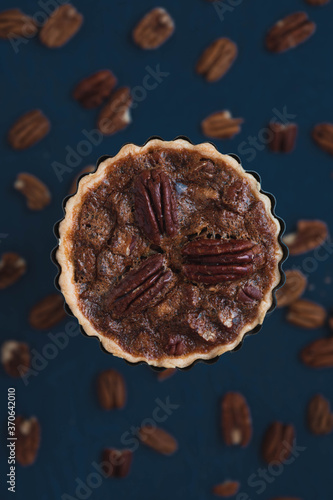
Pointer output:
x,y
289,32
48,312
221,125
217,59
12,267
15,358
278,442
318,354
28,130
212,261
322,134
155,205
14,23
310,234
175,346
115,115
154,29
283,137
61,26
236,420
140,287
317,2
36,192
111,390
320,417
165,374
292,289
94,89
158,439
119,462
306,314
226,489
249,294
27,433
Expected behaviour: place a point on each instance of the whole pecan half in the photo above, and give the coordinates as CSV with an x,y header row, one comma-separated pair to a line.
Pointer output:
x,y
226,489
175,346
28,130
322,134
14,23
139,287
236,420
292,289
115,115
318,354
36,192
27,432
12,267
116,463
221,125
155,204
283,137
111,390
214,261
278,442
154,29
306,314
249,294
15,358
217,59
310,234
61,26
94,89
290,32
158,439
320,417
48,312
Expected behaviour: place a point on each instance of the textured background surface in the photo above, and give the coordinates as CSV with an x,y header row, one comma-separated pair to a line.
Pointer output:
x,y
266,370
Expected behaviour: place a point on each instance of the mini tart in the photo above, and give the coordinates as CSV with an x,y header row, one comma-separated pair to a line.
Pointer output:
x,y
169,253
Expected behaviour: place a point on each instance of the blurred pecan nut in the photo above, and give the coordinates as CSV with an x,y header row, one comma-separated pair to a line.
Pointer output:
x,y
117,462
14,23
318,354
221,125
310,234
36,192
306,314
289,32
278,442
15,358
48,312
214,261
217,59
140,287
236,420
322,134
283,137
320,417
61,26
154,29
111,390
92,91
115,115
155,205
226,489
317,2
292,289
27,432
158,439
12,267
28,130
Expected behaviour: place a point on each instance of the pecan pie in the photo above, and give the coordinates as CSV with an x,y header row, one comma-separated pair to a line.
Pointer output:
x,y
169,253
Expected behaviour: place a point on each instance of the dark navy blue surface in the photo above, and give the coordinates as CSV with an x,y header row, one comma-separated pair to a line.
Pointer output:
x,y
266,370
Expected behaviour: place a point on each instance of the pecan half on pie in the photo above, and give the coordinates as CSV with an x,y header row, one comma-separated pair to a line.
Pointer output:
x,y
169,253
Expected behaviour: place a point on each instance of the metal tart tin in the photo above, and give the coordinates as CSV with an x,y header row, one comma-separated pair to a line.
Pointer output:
x,y
251,332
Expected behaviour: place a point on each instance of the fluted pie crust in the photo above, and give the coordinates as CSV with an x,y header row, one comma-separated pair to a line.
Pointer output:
x,y
71,289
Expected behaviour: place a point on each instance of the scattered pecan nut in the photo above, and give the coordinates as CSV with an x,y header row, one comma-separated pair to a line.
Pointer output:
x,y
118,462
61,26
86,170
319,415
317,2
217,59
154,29
278,442
155,205
310,234
115,115
111,390
14,23
165,374
289,32
12,267
158,439
27,432
221,125
293,288
36,192
306,314
226,489
94,89
29,129
236,420
283,137
318,354
48,312
15,358
322,134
